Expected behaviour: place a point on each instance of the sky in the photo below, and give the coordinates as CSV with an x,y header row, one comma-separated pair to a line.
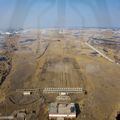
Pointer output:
x,y
59,13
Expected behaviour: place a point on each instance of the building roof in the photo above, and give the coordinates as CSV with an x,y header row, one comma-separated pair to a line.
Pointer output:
x,y
62,108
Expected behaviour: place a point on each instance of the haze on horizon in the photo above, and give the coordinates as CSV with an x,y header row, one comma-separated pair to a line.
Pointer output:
x,y
59,13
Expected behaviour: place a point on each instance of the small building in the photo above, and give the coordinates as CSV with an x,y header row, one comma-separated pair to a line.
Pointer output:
x,y
21,116
62,110
27,93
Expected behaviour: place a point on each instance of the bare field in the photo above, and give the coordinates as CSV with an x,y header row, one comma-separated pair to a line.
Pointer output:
x,y
63,62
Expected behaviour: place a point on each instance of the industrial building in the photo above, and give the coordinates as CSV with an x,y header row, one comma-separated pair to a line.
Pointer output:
x,y
62,111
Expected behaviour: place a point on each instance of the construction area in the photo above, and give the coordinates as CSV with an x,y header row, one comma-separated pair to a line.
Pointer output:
x,y
60,75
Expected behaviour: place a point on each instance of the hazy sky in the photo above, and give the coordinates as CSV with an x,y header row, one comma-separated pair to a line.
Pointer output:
x,y
63,13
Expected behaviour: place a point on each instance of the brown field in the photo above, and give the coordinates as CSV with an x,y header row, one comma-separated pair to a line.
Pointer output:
x,y
62,62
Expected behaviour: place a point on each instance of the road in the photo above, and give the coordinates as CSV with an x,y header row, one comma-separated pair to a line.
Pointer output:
x,y
106,57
